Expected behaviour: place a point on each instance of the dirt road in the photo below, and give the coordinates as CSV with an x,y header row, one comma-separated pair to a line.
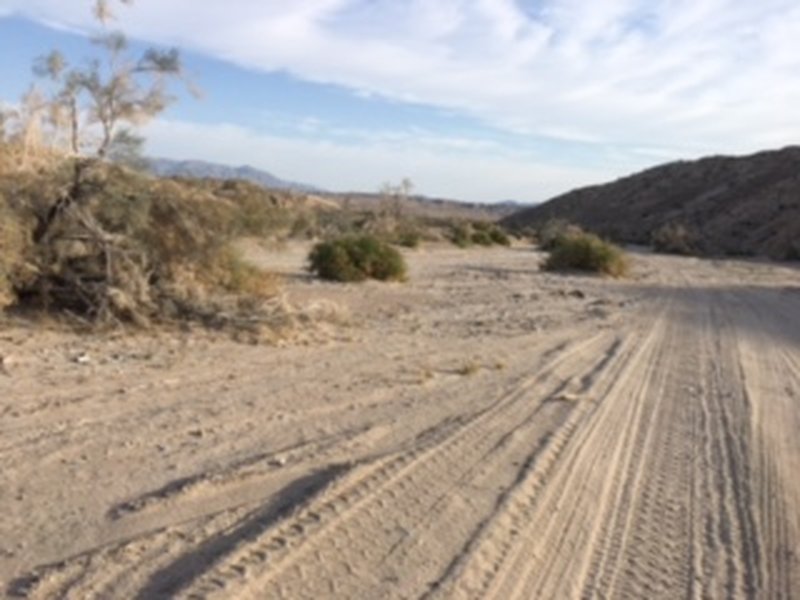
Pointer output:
x,y
483,431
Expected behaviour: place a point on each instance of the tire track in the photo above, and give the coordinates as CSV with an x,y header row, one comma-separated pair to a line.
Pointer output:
x,y
392,500
533,541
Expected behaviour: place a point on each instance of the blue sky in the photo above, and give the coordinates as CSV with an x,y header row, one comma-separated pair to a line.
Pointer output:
x,y
473,99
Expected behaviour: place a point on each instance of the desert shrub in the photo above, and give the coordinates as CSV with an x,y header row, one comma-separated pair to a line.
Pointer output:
x,y
586,252
499,237
13,247
305,226
553,231
480,233
356,258
481,237
674,238
461,235
408,238
108,245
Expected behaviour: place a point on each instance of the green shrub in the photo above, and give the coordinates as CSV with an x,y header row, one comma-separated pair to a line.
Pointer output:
x,y
408,238
461,235
356,258
499,237
481,238
481,233
586,252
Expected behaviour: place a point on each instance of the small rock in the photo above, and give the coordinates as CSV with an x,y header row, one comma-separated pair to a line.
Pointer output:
x,y
577,294
83,359
5,364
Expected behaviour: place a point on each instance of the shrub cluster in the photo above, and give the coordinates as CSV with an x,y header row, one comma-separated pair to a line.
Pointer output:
x,y
586,252
479,233
408,238
108,245
356,258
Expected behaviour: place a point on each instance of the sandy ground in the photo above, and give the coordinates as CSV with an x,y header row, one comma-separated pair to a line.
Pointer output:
x,y
483,431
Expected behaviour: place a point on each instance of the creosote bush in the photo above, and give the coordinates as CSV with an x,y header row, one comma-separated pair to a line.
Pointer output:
x,y
356,258
586,252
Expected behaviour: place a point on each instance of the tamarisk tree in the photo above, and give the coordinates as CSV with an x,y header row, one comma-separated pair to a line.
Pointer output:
x,y
92,108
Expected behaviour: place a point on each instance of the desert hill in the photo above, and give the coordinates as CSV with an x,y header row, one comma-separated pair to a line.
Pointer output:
x,y
200,169
746,205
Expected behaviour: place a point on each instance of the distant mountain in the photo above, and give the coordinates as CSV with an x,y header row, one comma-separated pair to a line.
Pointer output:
x,y
511,205
728,205
165,167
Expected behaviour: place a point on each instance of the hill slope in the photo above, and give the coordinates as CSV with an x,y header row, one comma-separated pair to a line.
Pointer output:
x,y
731,205
199,169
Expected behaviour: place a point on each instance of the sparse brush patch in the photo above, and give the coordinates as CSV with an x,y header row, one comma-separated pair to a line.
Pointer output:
x,y
106,245
586,252
481,238
479,233
408,238
357,258
674,238
499,237
13,247
461,235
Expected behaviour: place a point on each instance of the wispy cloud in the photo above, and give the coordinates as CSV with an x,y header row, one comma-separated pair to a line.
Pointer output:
x,y
678,76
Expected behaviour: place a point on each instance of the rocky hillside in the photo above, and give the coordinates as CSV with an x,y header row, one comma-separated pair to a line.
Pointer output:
x,y
726,205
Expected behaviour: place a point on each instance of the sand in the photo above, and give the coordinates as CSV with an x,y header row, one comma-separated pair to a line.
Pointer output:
x,y
482,431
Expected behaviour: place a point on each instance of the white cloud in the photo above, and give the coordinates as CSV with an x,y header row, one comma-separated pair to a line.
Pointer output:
x,y
465,174
682,76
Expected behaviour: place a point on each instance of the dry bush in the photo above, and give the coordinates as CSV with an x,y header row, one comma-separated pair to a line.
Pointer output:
x,y
586,252
12,251
108,245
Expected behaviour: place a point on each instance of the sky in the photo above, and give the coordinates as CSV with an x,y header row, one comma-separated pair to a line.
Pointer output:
x,y
479,100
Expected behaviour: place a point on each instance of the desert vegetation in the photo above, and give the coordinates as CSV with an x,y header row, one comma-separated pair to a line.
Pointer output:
x,y
357,258
586,252
98,242
477,233
104,244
